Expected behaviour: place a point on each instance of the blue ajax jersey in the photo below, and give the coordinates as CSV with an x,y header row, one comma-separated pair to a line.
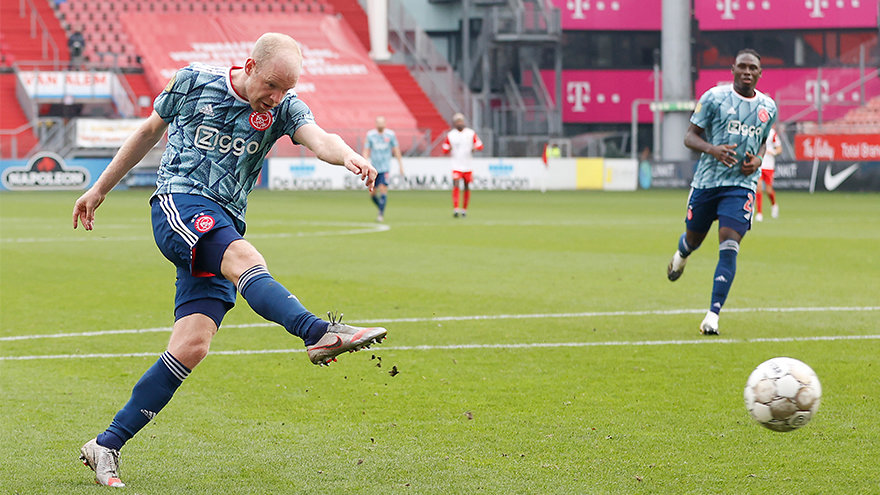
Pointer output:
x,y
380,146
216,141
730,118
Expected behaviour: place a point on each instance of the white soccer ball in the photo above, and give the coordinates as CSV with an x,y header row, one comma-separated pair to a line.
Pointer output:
x,y
782,394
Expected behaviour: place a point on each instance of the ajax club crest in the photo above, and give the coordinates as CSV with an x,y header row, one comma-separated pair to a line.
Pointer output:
x,y
260,120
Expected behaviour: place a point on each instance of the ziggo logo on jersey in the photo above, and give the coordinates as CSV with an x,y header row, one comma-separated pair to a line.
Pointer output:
x,y
737,127
209,138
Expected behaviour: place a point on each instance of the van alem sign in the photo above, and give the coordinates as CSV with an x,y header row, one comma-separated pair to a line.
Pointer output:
x,y
45,171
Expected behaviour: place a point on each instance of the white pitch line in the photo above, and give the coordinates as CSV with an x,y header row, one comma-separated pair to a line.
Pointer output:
x,y
354,229
535,345
587,314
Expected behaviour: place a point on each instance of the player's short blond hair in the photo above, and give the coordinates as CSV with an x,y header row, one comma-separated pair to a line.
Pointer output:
x,y
272,45
458,116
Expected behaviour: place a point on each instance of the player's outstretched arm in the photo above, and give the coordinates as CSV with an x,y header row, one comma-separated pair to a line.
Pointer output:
x,y
132,151
332,149
724,153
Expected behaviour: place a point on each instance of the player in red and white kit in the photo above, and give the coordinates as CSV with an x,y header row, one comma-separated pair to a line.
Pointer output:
x,y
768,167
460,144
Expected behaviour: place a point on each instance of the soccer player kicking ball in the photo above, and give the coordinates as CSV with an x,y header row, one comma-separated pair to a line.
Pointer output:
x,y
729,127
379,145
221,123
460,143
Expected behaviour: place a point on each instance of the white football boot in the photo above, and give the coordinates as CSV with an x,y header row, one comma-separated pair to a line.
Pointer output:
x,y
675,267
103,461
709,326
343,338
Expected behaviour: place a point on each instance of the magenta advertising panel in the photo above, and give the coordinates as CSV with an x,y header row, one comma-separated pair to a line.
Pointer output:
x,y
595,96
795,89
718,15
610,15
602,95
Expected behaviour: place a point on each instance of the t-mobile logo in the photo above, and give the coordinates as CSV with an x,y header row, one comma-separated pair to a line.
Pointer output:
x,y
728,7
814,88
578,93
579,7
816,6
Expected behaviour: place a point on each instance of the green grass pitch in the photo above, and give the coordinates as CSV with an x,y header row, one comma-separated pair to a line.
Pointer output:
x,y
540,349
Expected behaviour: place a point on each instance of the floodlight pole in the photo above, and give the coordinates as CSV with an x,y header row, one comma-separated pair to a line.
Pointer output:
x,y
676,64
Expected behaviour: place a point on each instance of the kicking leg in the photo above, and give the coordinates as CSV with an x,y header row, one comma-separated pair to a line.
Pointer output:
x,y
244,266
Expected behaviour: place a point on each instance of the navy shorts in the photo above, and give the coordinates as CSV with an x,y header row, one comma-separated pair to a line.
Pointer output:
x,y
382,179
193,232
732,206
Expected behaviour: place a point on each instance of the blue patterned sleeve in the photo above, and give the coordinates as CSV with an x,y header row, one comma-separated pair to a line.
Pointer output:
x,y
170,100
702,115
296,115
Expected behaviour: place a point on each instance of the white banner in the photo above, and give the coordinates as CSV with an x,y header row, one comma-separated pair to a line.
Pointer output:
x,y
422,173
104,133
55,85
621,174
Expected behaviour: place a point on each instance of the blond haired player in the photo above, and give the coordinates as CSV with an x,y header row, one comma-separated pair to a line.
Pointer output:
x,y
221,123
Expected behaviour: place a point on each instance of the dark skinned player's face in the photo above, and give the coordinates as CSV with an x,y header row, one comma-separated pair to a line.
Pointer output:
x,y
746,72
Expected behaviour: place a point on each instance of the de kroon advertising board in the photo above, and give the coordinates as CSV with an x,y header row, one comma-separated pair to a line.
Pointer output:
x,y
828,176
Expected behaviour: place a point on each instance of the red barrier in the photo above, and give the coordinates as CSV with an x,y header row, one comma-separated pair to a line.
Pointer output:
x,y
341,84
837,147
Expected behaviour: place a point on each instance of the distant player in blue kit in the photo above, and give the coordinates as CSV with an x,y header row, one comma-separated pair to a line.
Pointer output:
x,y
380,144
729,127
221,123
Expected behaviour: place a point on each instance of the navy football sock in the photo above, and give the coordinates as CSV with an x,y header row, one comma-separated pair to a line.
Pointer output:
x,y
273,302
724,273
148,397
375,200
684,249
383,200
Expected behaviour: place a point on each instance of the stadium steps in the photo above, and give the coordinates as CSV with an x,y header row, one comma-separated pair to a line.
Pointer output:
x,y
11,117
141,87
16,43
418,103
355,16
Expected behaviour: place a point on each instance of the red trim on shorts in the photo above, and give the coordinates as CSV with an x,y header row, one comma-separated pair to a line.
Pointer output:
x,y
192,267
467,176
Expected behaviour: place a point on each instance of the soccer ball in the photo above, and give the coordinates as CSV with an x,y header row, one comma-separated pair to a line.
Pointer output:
x,y
782,394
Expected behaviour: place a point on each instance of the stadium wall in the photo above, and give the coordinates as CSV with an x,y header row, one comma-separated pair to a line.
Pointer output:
x,y
489,174
48,171
814,175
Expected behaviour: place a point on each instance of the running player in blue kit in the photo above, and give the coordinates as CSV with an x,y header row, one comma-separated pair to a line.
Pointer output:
x,y
221,123
379,145
729,127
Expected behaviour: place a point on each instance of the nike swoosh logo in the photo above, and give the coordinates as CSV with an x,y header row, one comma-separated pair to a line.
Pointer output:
x,y
334,345
834,180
